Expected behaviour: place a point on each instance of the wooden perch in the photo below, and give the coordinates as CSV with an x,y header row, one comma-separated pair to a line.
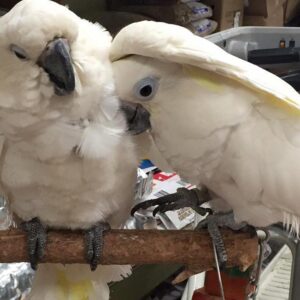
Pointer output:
x,y
136,247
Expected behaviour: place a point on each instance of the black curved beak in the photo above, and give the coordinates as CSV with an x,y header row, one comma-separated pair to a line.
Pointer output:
x,y
137,117
57,62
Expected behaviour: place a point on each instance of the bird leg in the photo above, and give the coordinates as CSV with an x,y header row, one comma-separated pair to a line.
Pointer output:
x,y
36,240
182,198
94,238
193,199
213,223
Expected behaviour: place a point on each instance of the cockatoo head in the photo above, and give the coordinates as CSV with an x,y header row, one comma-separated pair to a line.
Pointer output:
x,y
52,61
150,69
149,84
178,77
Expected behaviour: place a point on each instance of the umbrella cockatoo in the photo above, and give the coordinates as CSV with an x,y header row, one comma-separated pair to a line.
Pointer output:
x,y
217,120
66,161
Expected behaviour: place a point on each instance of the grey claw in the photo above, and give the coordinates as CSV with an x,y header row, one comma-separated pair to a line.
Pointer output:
x,y
94,244
182,198
36,240
213,223
89,252
217,240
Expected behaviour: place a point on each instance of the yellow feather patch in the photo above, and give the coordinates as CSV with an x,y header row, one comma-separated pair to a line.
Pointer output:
x,y
286,105
203,78
73,290
214,83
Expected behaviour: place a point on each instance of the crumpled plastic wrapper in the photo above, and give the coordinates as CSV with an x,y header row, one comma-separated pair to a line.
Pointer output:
x,y
6,219
144,219
15,279
150,187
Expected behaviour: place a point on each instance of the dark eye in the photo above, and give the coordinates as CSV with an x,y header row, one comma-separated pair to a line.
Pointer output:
x,y
19,52
146,88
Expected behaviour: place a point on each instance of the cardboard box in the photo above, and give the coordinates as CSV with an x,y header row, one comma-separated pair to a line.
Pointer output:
x,y
228,13
292,10
264,13
264,8
155,9
256,8
275,20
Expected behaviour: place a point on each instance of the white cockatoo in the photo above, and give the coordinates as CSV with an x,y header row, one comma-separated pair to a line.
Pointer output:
x,y
66,161
217,120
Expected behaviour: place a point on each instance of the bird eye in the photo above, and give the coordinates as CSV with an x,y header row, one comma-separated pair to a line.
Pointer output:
x,y
146,88
19,52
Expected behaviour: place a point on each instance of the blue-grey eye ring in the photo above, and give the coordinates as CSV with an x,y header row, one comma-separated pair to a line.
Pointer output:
x,y
146,88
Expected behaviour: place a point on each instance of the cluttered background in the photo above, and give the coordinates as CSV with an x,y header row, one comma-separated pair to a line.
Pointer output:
x,y
202,17
222,22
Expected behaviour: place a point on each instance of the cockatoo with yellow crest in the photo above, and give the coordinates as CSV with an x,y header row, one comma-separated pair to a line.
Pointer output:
x,y
66,161
219,121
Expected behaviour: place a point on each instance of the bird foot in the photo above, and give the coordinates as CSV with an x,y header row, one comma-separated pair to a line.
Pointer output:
x,y
182,198
36,240
213,224
94,238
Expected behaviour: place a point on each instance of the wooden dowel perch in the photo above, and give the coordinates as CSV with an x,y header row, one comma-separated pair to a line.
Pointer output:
x,y
136,247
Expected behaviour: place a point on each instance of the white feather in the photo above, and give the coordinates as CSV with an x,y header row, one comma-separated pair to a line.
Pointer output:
x,y
41,172
217,120
160,42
